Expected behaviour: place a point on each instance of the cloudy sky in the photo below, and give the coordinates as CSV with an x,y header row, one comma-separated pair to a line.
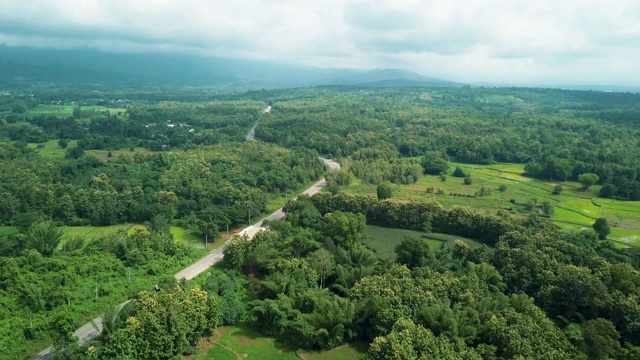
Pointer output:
x,y
496,41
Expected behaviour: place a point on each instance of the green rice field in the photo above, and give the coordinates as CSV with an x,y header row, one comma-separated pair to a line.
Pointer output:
x,y
574,209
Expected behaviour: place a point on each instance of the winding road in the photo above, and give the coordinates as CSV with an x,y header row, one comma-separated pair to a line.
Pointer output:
x,y
89,331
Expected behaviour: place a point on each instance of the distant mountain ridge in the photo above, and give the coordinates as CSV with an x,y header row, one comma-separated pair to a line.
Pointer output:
x,y
23,66
392,78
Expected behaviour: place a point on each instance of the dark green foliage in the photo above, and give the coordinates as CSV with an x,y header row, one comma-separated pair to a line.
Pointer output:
x,y
557,190
468,180
601,227
458,172
434,164
74,153
413,252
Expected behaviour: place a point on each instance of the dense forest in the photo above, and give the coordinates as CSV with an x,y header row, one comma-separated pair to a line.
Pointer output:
x,y
148,160
530,292
557,134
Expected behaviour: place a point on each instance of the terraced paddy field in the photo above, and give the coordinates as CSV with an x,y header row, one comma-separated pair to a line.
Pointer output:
x,y
574,208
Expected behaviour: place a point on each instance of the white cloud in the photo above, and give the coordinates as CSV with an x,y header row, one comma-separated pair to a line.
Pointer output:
x,y
569,41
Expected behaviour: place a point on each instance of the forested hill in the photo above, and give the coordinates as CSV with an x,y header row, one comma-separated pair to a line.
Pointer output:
x,y
24,66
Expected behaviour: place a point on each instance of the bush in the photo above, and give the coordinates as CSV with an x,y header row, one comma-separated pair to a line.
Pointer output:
x,y
557,190
384,191
459,172
468,181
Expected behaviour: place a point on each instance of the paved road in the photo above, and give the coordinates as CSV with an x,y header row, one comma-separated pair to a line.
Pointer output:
x,y
252,133
89,332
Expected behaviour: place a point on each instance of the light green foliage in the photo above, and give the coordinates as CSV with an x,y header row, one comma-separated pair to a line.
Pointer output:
x,y
343,228
384,191
410,341
165,323
587,180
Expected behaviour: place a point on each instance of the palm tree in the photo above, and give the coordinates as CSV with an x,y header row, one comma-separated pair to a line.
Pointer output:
x,y
45,237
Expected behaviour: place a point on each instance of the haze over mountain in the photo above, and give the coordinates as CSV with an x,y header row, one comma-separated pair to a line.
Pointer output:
x,y
21,65
539,43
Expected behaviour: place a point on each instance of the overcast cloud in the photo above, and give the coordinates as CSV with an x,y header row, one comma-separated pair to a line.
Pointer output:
x,y
497,41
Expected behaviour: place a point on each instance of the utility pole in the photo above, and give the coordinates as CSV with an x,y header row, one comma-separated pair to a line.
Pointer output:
x,y
96,289
206,240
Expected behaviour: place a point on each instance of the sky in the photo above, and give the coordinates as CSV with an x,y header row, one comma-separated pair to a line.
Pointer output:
x,y
534,42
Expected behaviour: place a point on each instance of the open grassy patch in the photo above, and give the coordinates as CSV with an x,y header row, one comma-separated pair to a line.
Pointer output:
x,y
249,344
584,207
240,342
564,215
92,232
116,153
51,149
67,110
384,240
8,230
628,237
574,207
195,239
345,352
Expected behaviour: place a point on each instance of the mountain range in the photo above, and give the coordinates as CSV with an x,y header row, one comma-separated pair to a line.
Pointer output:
x,y
23,66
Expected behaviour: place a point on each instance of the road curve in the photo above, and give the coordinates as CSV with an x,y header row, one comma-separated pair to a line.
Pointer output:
x,y
89,331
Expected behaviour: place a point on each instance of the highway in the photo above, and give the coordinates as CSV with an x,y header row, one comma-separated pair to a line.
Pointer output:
x,y
88,331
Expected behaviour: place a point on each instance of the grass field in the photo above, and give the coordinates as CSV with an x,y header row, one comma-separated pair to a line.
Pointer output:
x,y
67,110
52,150
574,208
91,232
384,240
239,342
196,240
